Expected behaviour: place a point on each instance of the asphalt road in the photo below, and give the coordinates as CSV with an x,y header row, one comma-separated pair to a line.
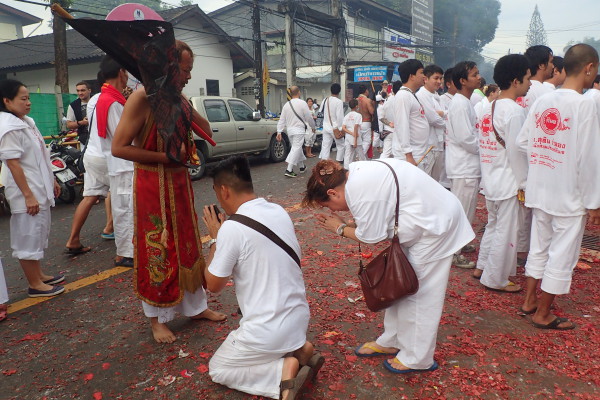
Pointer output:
x,y
94,342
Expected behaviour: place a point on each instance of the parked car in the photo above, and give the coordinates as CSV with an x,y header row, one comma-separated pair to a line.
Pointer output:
x,y
237,129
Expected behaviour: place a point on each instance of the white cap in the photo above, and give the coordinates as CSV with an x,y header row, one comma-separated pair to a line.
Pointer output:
x,y
378,98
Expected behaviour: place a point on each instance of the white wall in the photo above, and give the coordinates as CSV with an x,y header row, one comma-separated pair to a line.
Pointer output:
x,y
10,31
211,60
42,80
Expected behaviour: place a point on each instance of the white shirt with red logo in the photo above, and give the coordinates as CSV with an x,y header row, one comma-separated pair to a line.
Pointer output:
x,y
561,137
594,94
437,123
411,129
498,164
536,90
462,150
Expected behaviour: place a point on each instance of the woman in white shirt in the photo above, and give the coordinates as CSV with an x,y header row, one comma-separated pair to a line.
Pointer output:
x,y
431,227
30,187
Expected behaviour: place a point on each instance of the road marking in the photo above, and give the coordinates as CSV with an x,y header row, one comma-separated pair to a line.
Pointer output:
x,y
69,287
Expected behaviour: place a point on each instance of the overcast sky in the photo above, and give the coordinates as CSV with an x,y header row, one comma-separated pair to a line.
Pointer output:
x,y
564,20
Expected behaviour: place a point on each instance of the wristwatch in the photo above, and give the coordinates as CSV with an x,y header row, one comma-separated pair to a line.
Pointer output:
x,y
340,229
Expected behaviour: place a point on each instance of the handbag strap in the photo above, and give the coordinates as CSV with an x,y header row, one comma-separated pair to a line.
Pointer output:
x,y
397,195
292,107
257,226
329,114
498,138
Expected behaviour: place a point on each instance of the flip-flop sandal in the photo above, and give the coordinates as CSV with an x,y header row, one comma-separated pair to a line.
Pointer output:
x,y
555,324
377,352
504,289
75,251
296,384
389,367
524,313
3,312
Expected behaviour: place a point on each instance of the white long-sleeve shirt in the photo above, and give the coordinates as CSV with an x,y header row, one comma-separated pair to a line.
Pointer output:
x,y
289,122
561,138
383,112
462,150
536,90
437,123
333,113
500,166
411,129
594,94
445,100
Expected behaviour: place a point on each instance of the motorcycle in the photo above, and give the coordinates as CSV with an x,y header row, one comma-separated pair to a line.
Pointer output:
x,y
67,167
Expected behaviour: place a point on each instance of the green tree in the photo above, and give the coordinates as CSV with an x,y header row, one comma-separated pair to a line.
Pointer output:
x,y
98,8
536,34
595,43
465,27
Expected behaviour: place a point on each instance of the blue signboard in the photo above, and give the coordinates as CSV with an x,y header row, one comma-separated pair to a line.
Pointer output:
x,y
370,73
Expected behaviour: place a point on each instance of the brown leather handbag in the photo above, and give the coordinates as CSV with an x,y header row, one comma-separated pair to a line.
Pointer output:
x,y
389,276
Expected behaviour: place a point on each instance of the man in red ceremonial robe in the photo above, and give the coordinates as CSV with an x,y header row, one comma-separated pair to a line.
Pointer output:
x,y
168,262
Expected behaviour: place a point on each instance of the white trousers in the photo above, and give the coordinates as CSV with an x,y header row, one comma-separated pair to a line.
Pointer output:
x,y
411,323
96,181
439,168
121,189
366,135
498,250
3,288
328,140
351,152
554,252
387,147
296,155
192,304
29,235
524,235
245,369
466,190
426,165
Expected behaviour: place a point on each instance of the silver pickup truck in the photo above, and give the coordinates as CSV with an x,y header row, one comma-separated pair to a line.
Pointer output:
x,y
237,129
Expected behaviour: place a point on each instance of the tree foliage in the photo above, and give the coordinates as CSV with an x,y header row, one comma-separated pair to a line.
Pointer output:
x,y
595,43
98,8
466,27
536,34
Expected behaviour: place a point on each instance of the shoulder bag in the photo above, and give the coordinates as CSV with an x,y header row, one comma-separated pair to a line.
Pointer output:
x,y
338,134
389,276
300,118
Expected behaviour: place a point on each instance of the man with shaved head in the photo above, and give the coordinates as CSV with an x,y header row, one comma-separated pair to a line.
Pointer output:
x,y
295,119
561,140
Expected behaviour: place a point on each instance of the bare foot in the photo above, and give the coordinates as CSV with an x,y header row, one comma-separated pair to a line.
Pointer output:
x,y
397,364
210,315
374,348
161,333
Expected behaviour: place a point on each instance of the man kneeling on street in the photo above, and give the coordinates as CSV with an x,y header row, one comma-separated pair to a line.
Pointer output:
x,y
268,354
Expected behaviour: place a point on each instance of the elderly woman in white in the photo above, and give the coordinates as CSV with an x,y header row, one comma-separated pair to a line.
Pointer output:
x,y
30,187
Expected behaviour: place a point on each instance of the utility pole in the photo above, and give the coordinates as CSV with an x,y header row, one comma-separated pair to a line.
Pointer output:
x,y
61,75
258,57
335,44
290,40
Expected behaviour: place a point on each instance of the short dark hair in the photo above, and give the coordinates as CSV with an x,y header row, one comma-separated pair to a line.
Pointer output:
x,y
408,68
482,82
336,88
233,172
461,71
352,103
538,55
578,56
559,63
489,89
597,79
448,76
509,68
109,68
362,89
432,69
309,98
9,89
87,85
396,86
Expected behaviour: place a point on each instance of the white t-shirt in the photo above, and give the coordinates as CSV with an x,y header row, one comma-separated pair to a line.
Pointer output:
x,y
336,107
476,97
437,123
411,129
445,100
498,164
561,138
383,112
71,114
479,108
353,118
431,225
289,122
115,165
594,94
536,90
549,85
93,148
20,139
462,150
268,283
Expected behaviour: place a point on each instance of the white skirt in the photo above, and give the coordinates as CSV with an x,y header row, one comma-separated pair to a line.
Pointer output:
x,y
29,235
